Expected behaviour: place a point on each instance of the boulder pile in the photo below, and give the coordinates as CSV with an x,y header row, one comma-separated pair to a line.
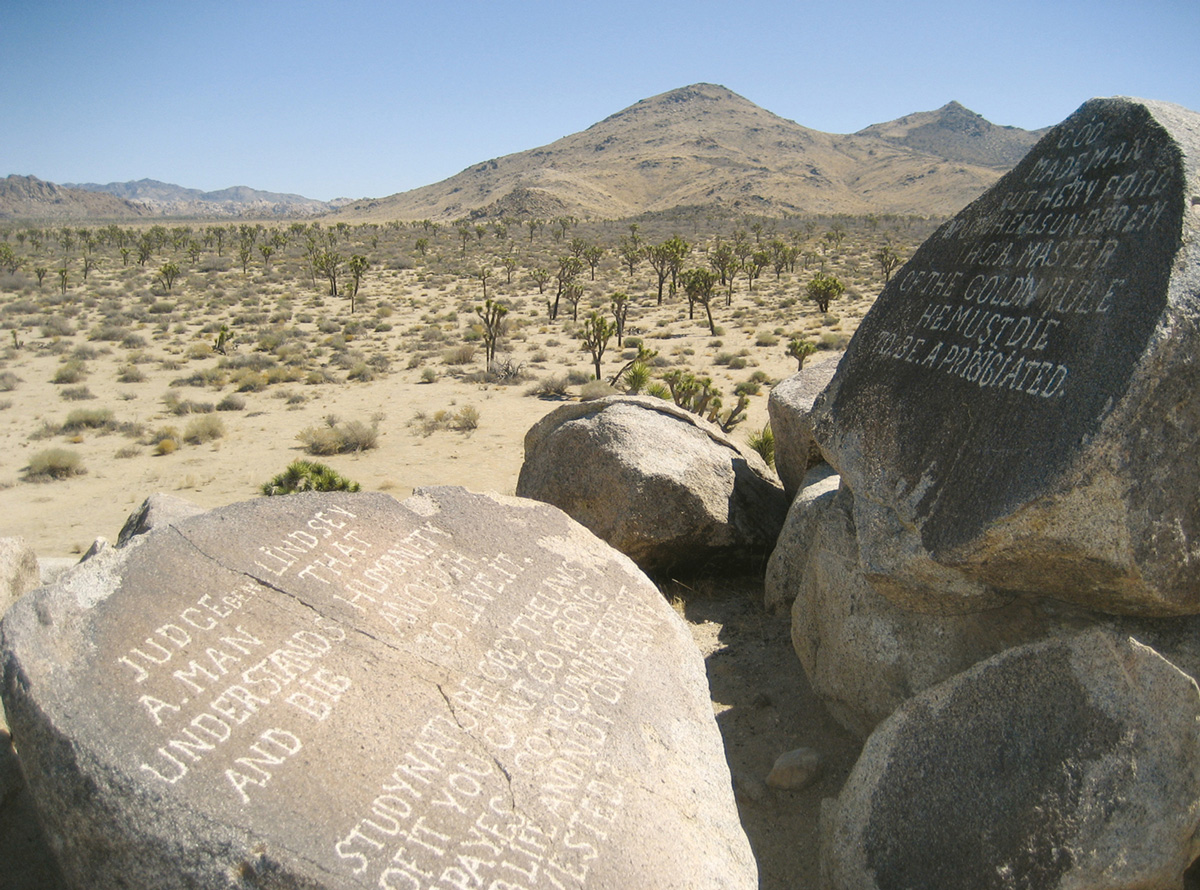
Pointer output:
x,y
1002,595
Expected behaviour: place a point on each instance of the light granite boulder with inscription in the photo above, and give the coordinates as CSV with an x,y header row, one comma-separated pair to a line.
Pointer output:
x,y
344,691
1020,410
1069,763
662,485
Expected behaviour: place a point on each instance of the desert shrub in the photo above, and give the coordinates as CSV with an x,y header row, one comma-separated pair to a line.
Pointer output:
x,y
552,387
53,463
576,377
764,443
57,326
110,333
738,362
130,374
595,389
283,375
361,372
204,429
466,419
832,340
249,380
70,371
8,381
199,349
76,393
463,420
761,377
659,391
165,440
636,378
340,438
765,339
231,402
127,451
88,419
746,388
459,355
428,375
307,475
179,407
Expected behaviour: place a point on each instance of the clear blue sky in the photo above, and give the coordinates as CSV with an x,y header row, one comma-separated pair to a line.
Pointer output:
x,y
364,98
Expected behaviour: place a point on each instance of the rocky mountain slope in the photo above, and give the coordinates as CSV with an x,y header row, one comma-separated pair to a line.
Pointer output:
x,y
30,198
704,144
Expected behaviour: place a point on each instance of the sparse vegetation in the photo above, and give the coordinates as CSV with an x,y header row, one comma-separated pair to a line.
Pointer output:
x,y
339,438
307,475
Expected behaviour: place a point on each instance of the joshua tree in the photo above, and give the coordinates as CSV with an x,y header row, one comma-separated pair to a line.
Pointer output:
x,y
492,314
699,284
597,331
167,274
358,266
823,289
620,310
888,260
800,350
541,277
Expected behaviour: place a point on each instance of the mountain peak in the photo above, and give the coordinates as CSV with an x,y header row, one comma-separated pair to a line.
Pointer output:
x,y
956,133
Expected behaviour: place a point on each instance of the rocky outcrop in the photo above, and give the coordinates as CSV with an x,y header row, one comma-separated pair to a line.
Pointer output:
x,y
497,696
789,407
1020,410
156,511
794,546
1070,763
660,484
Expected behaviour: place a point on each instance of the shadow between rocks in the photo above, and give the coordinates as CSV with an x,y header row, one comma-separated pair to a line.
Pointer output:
x,y
25,859
765,707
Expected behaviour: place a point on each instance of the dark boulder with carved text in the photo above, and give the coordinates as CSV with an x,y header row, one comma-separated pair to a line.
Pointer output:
x,y
343,690
1020,410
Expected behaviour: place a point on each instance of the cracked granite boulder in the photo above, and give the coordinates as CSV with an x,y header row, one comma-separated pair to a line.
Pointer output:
x,y
662,485
336,690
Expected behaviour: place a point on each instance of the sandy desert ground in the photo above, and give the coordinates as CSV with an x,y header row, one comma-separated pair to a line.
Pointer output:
x,y
133,361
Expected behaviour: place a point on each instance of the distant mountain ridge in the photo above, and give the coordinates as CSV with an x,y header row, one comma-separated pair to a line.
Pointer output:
x,y
30,198
958,134
704,144
174,200
699,145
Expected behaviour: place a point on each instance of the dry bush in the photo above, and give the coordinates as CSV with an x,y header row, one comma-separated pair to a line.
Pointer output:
x,y
130,374
88,419
552,387
8,381
459,355
53,463
204,429
71,371
231,402
76,393
340,438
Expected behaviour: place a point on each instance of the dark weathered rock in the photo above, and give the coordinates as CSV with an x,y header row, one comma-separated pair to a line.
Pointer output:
x,y
156,511
19,571
1071,763
785,568
660,484
1020,410
336,690
789,406
26,862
